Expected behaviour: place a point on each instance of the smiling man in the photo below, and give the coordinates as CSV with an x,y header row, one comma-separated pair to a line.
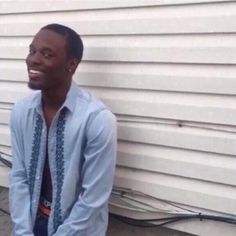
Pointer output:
x,y
63,145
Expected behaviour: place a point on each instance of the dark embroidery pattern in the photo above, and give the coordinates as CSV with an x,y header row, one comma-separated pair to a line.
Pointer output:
x,y
35,153
59,168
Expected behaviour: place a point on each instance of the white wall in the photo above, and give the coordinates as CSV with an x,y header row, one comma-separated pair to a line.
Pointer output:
x,y
167,70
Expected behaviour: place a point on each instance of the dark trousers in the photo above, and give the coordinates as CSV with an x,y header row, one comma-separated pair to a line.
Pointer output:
x,y
41,225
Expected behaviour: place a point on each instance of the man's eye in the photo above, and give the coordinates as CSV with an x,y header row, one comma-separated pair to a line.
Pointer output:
x,y
31,51
47,55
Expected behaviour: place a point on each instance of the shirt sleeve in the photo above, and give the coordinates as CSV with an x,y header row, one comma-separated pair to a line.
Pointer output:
x,y
19,197
97,177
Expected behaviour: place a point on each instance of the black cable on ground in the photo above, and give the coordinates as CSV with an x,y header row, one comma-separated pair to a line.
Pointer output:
x,y
169,220
5,212
5,162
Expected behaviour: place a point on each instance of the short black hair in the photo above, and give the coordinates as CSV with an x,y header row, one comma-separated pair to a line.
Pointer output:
x,y
74,45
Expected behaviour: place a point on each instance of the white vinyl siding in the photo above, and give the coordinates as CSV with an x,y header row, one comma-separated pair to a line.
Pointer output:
x,y
166,68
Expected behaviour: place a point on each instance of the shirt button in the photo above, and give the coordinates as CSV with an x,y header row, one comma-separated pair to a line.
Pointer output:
x,y
37,177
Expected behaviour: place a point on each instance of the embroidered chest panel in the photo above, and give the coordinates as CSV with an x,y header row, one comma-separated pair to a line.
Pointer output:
x,y
59,162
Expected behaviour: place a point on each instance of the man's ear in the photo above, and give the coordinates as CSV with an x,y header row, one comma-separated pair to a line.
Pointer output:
x,y
72,65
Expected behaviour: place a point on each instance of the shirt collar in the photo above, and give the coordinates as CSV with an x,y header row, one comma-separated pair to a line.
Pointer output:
x,y
71,97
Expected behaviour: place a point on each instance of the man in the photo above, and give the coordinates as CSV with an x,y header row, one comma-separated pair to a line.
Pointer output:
x,y
63,145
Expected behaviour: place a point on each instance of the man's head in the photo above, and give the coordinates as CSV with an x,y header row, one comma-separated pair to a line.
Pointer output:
x,y
74,44
54,55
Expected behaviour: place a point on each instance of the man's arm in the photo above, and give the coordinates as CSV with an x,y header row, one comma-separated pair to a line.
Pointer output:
x,y
19,191
97,177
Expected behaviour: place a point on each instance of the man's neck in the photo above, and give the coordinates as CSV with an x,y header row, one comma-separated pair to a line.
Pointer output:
x,y
52,101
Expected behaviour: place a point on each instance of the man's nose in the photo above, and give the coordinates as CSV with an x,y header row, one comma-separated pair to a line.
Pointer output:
x,y
33,59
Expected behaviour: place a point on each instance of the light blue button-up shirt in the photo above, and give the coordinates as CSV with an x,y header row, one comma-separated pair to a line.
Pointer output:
x,y
81,151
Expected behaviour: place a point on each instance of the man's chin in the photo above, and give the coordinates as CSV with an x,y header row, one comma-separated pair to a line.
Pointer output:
x,y
34,86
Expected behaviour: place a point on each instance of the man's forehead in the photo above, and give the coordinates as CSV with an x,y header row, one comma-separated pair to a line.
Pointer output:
x,y
49,39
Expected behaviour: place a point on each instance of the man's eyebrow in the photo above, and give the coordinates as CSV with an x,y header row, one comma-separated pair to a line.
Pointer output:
x,y
46,49
42,49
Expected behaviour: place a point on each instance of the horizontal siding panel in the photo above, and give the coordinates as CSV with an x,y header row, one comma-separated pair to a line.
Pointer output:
x,y
178,123
11,92
145,12
4,173
171,49
188,138
4,105
171,55
159,77
144,76
13,71
192,107
179,162
168,97
154,20
44,6
172,188
4,116
5,135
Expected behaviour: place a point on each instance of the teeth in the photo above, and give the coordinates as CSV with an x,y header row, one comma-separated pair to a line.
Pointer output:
x,y
34,72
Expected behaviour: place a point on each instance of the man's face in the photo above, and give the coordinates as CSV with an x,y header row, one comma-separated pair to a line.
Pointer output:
x,y
47,61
